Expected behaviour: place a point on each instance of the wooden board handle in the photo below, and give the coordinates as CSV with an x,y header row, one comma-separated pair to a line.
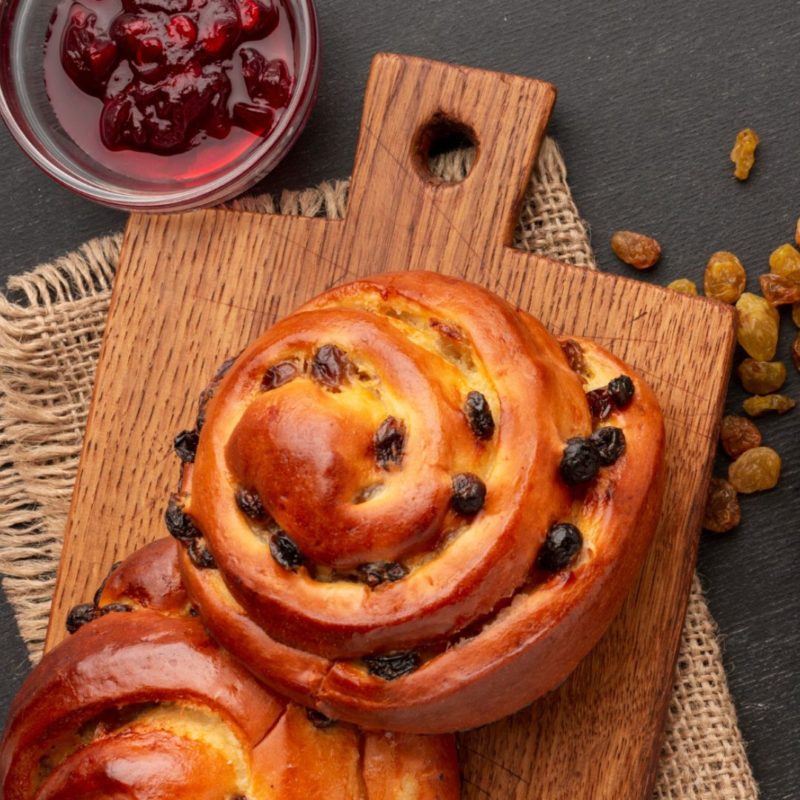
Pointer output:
x,y
402,212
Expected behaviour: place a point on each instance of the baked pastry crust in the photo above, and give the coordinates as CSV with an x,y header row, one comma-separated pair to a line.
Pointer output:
x,y
351,575
144,705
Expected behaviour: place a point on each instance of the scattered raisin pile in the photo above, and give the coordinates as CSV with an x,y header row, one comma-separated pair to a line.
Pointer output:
x,y
762,373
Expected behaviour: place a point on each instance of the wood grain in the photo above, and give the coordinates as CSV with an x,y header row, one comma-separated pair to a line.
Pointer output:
x,y
193,289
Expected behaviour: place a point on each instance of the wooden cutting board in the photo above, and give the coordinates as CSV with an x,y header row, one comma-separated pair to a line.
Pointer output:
x,y
195,288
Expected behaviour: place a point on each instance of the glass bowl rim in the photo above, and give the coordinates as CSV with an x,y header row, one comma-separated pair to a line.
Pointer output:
x,y
257,161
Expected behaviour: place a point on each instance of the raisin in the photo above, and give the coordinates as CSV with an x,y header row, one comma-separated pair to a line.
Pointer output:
x,y
201,556
761,377
601,404
329,366
796,314
760,404
562,543
724,278
610,444
621,390
743,153
779,291
185,445
318,719
636,249
80,615
479,415
448,330
574,355
250,503
755,470
210,390
101,588
392,666
279,374
388,442
757,329
285,552
469,494
722,510
796,352
738,434
785,261
683,285
179,523
580,461
113,608
378,572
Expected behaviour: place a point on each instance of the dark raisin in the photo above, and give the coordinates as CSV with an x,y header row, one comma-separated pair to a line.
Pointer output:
x,y
392,665
479,415
600,403
318,719
285,551
193,612
210,390
179,524
113,608
580,460
101,588
80,615
469,494
185,445
621,390
279,374
201,556
378,572
250,503
610,444
574,355
329,366
562,544
388,442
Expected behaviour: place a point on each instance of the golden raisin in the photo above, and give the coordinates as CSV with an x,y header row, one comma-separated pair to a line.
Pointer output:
x,y
636,249
683,285
796,352
724,277
738,434
722,507
743,154
755,470
785,261
796,314
761,377
762,404
779,290
757,326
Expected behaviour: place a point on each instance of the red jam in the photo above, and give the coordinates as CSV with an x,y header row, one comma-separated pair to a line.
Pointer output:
x,y
132,81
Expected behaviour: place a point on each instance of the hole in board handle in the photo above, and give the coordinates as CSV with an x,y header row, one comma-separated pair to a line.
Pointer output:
x,y
445,150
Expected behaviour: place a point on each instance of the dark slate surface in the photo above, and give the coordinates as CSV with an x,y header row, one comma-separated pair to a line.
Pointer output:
x,y
650,98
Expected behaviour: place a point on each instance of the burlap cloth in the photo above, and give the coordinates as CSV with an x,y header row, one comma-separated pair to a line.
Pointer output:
x,y
49,343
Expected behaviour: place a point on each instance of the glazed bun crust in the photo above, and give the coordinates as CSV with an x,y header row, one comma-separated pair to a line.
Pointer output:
x,y
145,706
378,484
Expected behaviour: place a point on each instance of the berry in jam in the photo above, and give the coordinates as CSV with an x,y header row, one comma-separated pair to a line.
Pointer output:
x,y
197,80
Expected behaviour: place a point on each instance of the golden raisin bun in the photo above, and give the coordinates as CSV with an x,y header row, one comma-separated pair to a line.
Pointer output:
x,y
144,706
409,506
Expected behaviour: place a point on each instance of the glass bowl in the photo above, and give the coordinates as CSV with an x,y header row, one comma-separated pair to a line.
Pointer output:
x,y
31,119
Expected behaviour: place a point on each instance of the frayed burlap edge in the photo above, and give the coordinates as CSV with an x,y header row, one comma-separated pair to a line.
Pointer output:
x,y
49,345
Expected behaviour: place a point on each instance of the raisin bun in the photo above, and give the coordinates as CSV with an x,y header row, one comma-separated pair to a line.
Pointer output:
x,y
139,704
409,506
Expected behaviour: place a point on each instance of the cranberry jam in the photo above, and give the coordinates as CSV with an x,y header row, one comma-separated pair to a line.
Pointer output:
x,y
169,88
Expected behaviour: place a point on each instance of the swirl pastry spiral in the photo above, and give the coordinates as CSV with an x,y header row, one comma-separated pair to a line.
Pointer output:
x,y
408,506
144,706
